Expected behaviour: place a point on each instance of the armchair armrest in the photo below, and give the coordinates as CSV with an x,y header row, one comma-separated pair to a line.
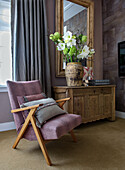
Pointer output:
x,y
63,100
25,108
60,101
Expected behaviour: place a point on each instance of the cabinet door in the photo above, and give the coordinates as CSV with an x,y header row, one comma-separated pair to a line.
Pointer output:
x,y
107,105
79,105
93,106
87,106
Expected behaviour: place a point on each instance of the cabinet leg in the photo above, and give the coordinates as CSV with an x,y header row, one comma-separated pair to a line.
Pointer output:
x,y
112,119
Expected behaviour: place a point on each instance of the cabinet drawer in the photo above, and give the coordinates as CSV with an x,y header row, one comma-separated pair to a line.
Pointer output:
x,y
81,92
92,91
105,90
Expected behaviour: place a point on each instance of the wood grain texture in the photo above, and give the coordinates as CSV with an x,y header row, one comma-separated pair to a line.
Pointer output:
x,y
24,127
25,108
112,118
60,88
40,141
59,28
92,103
30,118
89,4
63,100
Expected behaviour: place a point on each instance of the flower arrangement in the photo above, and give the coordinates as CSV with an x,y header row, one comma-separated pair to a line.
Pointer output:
x,y
72,46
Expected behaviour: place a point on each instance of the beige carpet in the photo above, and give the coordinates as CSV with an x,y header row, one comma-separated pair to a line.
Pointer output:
x,y
100,146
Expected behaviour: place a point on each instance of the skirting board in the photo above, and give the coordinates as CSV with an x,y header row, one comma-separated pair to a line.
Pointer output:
x,y
120,114
7,126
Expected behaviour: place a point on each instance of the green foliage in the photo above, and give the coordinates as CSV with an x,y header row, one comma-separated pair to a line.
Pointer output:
x,y
74,37
72,51
71,46
65,51
52,37
56,36
84,38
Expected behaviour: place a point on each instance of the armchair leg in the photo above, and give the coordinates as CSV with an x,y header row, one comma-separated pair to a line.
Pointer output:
x,y
73,136
23,129
41,142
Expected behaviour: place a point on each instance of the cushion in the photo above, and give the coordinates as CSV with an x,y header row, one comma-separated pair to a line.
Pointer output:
x,y
55,127
35,97
88,73
45,112
36,102
24,99
60,125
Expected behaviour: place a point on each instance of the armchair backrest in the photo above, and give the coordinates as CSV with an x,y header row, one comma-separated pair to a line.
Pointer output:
x,y
21,88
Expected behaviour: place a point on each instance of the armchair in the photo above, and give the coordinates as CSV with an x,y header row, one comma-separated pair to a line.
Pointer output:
x,y
51,130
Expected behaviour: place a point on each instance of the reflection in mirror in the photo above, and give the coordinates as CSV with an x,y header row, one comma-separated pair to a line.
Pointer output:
x,y
75,18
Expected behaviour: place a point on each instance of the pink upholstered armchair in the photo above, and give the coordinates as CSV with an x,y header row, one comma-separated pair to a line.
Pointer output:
x,y
53,129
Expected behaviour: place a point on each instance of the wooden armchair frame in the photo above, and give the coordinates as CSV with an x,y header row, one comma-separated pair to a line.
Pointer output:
x,y
30,118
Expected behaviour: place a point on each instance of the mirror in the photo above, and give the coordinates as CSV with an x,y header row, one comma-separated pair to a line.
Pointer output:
x,y
76,16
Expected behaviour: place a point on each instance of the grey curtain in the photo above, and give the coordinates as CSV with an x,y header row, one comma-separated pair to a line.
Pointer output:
x,y
30,42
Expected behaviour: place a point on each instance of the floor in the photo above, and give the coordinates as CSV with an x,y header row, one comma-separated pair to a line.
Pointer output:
x,y
100,146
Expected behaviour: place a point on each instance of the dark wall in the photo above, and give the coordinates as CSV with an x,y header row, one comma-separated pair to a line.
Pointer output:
x,y
98,64
114,32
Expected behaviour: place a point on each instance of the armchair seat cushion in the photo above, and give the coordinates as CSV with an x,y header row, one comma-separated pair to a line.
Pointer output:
x,y
55,127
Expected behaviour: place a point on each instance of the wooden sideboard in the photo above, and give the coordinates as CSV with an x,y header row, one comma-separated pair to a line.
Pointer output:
x,y
92,102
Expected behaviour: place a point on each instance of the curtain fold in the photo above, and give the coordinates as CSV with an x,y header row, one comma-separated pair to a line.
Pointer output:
x,y
30,42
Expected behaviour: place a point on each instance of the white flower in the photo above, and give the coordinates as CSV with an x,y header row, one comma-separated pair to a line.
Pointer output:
x,y
92,51
61,46
71,43
84,53
67,37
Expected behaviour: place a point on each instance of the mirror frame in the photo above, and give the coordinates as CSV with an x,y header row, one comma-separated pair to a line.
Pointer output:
x,y
89,4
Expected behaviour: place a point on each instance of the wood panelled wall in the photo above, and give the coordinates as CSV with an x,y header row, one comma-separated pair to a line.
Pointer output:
x,y
113,32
